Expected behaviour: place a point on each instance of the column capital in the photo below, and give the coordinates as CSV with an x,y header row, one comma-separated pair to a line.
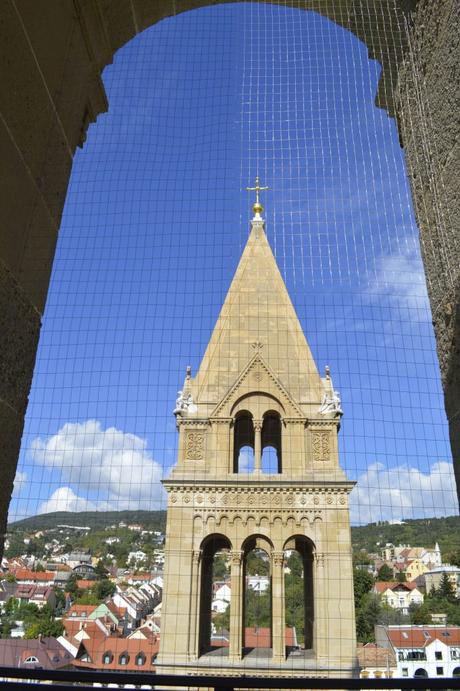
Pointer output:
x,y
257,425
196,556
236,557
277,557
320,558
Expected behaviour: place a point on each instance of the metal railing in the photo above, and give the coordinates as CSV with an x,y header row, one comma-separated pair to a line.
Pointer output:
x,y
16,679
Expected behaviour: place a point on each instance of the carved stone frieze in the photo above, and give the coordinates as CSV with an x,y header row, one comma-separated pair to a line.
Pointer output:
x,y
321,444
194,445
274,500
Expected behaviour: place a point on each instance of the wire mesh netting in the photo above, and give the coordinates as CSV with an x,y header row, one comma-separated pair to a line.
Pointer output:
x,y
156,220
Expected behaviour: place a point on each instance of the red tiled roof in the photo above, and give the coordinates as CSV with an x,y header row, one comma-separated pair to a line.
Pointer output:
x,y
117,647
372,655
28,575
258,637
84,583
420,637
80,611
381,586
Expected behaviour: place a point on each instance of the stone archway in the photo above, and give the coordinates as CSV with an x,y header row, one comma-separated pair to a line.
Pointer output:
x,y
53,56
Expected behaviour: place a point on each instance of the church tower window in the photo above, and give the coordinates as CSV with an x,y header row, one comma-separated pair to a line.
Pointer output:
x,y
243,444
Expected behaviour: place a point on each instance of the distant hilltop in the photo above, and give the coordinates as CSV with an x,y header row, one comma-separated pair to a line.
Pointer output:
x,y
418,531
87,520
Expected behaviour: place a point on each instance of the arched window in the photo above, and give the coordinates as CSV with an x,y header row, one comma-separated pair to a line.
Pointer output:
x,y
31,659
298,588
271,443
421,673
140,659
107,658
214,629
123,659
456,672
243,445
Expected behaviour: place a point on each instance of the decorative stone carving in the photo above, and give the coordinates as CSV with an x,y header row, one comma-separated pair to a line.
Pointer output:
x,y
331,404
236,557
194,446
321,446
184,404
277,558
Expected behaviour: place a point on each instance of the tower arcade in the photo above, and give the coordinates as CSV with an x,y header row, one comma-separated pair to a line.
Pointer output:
x,y
257,388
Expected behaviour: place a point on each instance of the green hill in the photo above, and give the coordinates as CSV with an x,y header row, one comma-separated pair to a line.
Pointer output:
x,y
153,520
419,532
416,532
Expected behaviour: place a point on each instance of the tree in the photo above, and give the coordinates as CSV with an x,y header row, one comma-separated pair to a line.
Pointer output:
x,y
446,588
220,566
257,608
88,598
362,584
103,589
44,627
294,563
100,571
72,587
368,616
385,573
222,620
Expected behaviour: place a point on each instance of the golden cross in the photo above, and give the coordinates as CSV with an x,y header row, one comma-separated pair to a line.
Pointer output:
x,y
257,189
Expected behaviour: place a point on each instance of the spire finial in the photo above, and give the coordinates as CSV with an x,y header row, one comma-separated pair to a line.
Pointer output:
x,y
257,207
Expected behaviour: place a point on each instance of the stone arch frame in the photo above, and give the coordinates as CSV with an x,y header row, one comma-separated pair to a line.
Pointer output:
x,y
250,543
272,435
63,95
258,405
210,545
243,434
306,548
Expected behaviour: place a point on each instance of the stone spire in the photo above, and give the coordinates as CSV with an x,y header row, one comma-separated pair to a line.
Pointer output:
x,y
258,315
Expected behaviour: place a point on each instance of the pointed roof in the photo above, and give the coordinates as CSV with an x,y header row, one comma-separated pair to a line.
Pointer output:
x,y
257,316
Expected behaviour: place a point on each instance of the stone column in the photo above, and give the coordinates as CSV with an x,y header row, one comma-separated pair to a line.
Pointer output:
x,y
257,445
193,639
235,651
278,607
321,626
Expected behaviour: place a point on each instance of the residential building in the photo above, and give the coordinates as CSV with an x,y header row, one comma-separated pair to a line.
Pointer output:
x,y
433,578
375,662
422,651
118,654
399,595
44,653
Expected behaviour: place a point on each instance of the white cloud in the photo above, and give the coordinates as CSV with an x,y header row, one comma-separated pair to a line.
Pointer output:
x,y
65,499
384,494
20,480
115,465
400,278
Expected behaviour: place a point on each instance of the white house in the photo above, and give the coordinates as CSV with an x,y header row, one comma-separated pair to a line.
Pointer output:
x,y
423,651
223,593
399,595
219,605
138,555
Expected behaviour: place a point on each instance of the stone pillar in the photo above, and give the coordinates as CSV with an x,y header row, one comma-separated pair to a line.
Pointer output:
x,y
193,639
235,651
321,636
257,445
278,607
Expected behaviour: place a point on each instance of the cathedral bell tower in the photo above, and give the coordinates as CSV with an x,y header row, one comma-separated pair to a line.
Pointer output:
x,y
257,388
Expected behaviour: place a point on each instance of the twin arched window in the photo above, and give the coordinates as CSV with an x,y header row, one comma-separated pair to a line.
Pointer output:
x,y
257,443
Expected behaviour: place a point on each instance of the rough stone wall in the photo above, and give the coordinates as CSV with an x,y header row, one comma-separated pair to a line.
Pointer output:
x,y
428,103
52,53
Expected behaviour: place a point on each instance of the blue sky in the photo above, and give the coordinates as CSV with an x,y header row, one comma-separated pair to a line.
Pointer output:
x,y
155,221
